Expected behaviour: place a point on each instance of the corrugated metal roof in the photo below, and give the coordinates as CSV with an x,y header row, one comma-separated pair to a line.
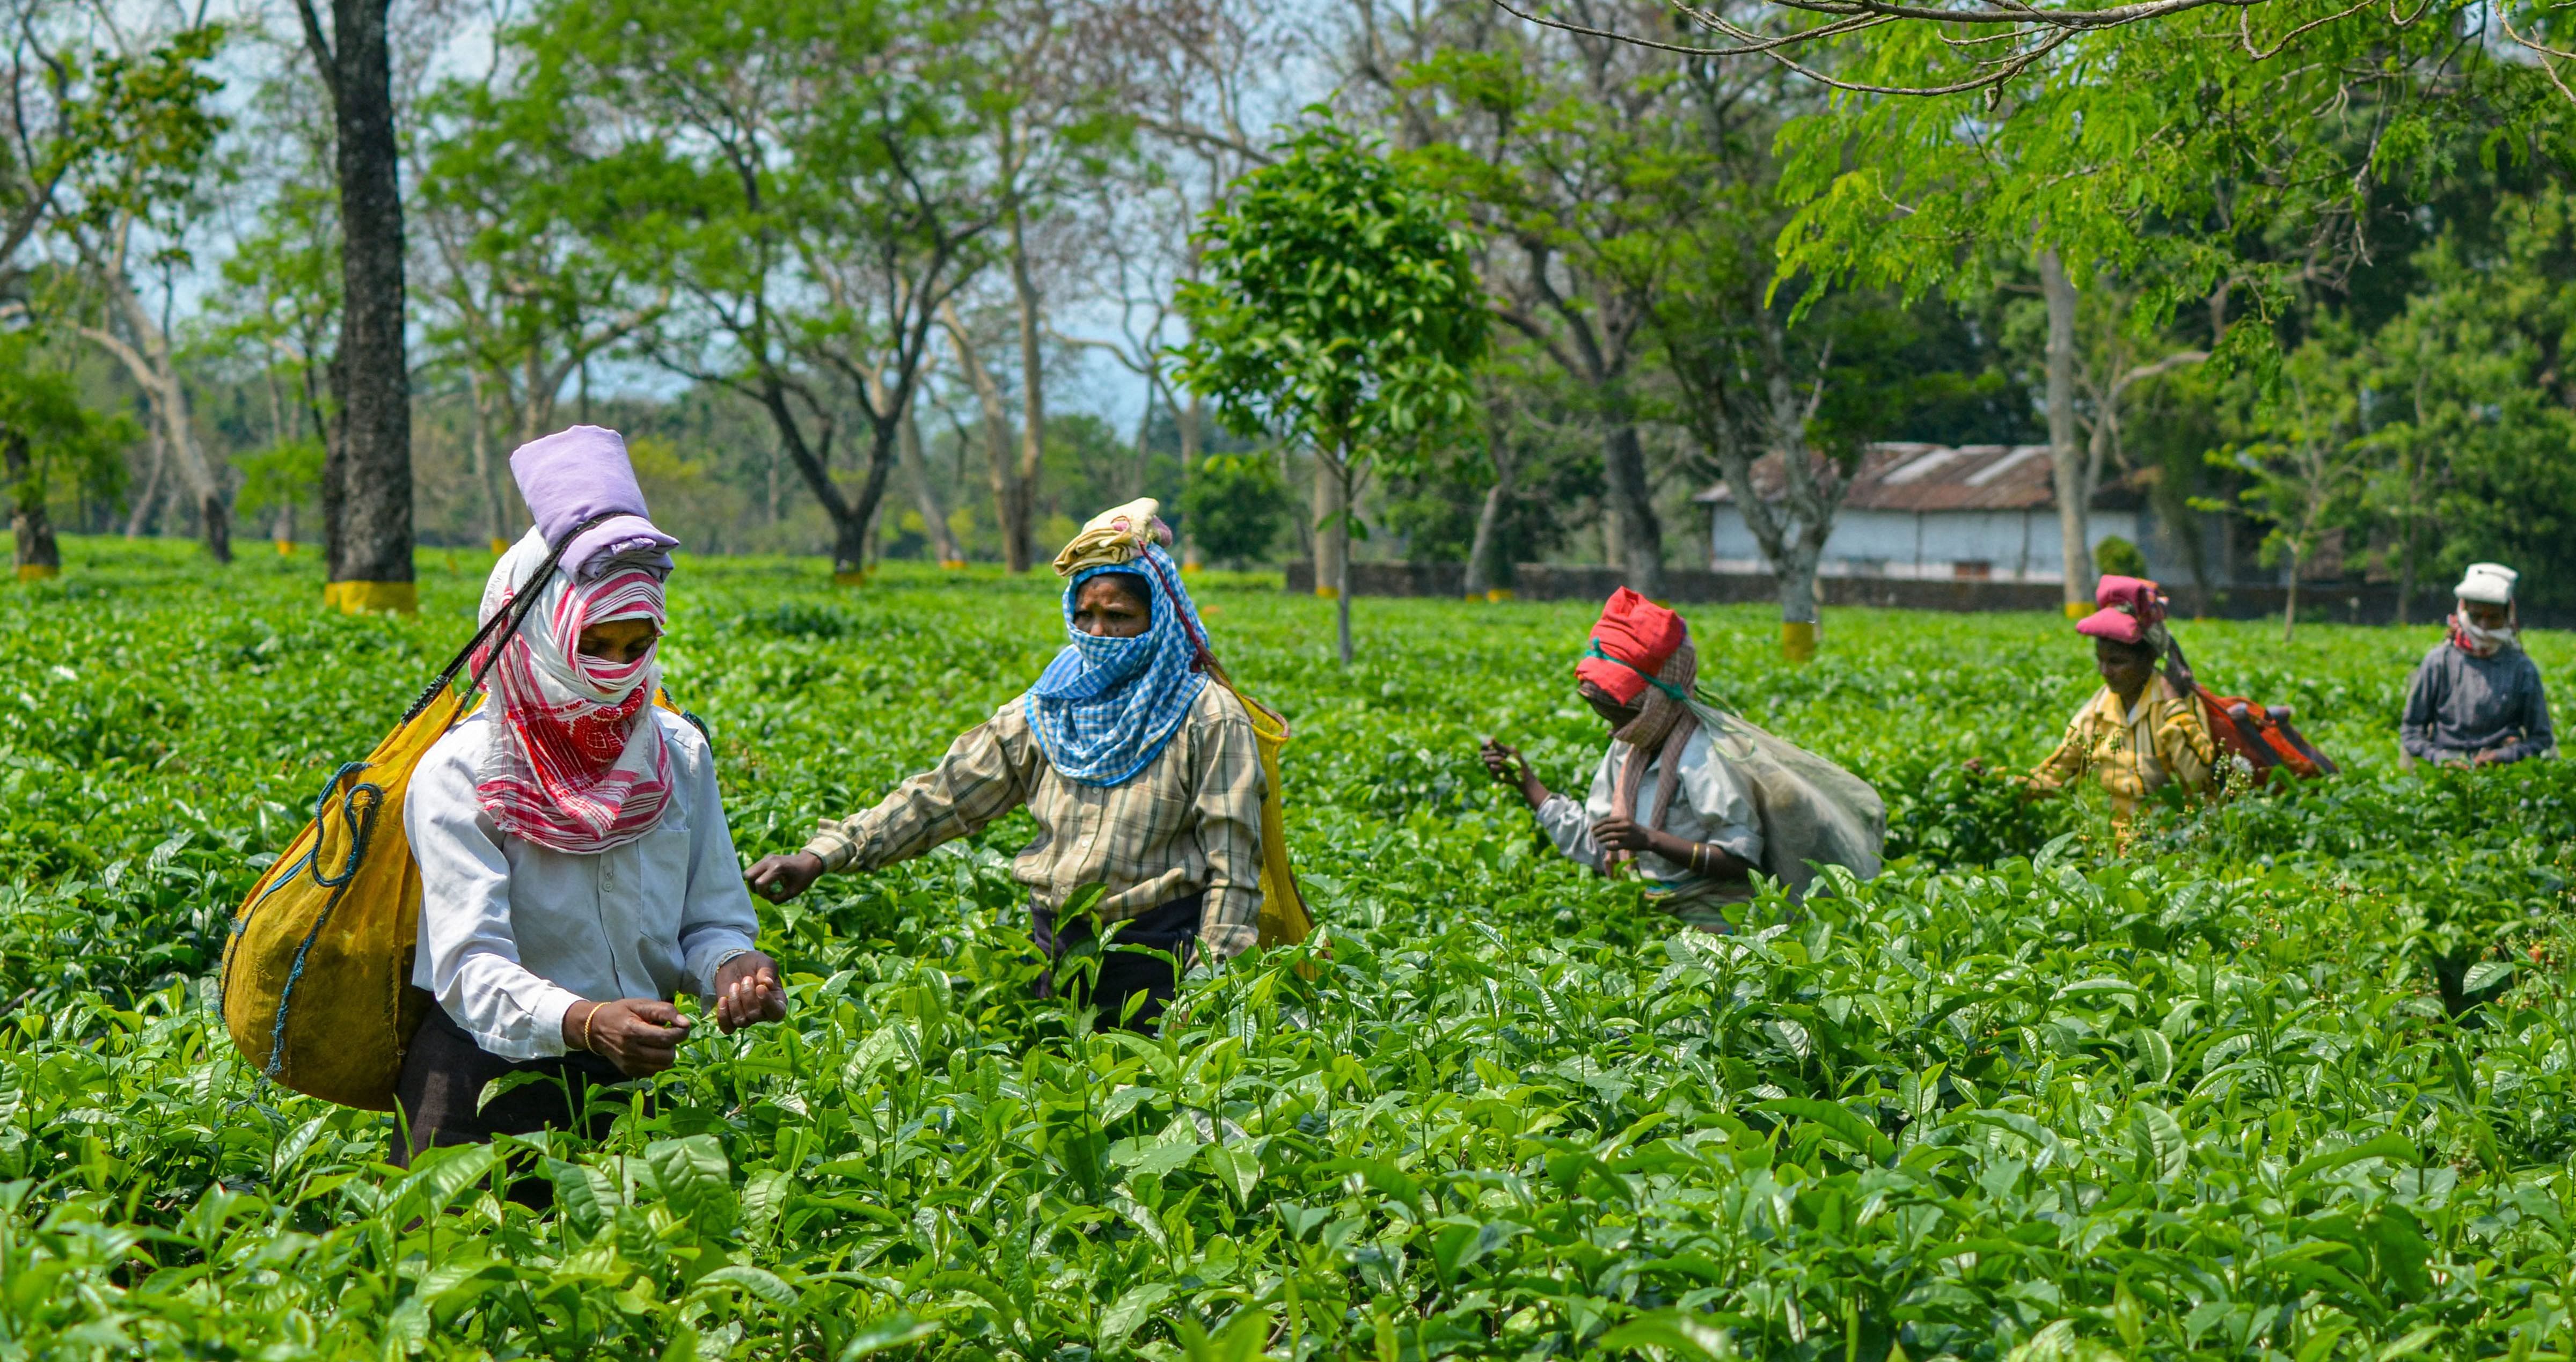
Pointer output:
x,y
1903,476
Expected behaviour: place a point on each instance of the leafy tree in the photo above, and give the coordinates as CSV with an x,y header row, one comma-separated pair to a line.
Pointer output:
x,y
142,129
1235,505
279,480
2471,408
48,438
1339,306
808,174
278,316
2118,557
1577,159
539,268
2302,477
2226,155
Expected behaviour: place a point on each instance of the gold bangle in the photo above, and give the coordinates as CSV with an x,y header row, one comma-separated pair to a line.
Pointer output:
x,y
586,1021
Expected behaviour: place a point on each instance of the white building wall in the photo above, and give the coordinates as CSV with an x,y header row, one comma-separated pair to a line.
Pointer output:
x,y
2010,545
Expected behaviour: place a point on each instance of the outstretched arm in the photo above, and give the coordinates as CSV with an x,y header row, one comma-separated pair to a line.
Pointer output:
x,y
987,773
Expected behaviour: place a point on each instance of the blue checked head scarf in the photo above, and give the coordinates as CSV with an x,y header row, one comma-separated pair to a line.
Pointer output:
x,y
1105,707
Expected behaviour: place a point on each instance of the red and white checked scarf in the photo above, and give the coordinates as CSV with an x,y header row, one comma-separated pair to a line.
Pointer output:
x,y
579,765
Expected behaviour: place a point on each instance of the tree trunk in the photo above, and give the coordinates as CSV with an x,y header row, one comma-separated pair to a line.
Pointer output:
x,y
850,520
1799,612
486,468
1332,528
934,511
281,527
1641,538
1007,489
1144,446
1190,417
215,522
850,552
139,515
2405,571
1342,573
1485,571
1019,535
372,542
38,554
2065,461
145,354
2290,599
335,467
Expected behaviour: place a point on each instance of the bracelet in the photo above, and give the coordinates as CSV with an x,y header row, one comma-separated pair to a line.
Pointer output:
x,y
586,1022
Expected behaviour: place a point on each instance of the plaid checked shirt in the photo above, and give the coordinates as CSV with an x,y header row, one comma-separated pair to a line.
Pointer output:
x,y
2130,752
1189,822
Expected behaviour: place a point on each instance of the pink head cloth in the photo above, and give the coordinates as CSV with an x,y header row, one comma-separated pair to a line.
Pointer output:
x,y
572,475
2128,606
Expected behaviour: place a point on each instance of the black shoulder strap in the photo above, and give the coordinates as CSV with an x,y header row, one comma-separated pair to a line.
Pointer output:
x,y
506,620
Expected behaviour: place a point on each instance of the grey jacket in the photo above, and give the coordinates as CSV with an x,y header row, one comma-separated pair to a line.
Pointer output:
x,y
2458,706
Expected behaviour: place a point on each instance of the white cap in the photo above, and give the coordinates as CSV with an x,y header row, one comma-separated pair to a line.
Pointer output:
x,y
2488,584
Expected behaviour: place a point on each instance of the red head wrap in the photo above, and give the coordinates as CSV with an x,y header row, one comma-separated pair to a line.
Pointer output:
x,y
1634,640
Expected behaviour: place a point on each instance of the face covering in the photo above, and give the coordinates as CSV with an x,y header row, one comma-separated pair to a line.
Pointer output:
x,y
578,765
2477,642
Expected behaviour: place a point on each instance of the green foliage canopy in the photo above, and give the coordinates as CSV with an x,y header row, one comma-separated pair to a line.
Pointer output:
x,y
1337,305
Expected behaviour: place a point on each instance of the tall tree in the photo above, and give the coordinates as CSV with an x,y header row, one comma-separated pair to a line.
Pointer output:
x,y
1197,80
537,271
2305,479
1563,147
1341,307
125,212
812,171
47,439
366,478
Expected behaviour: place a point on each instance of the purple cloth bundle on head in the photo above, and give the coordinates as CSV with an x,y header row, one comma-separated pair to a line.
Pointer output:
x,y
572,475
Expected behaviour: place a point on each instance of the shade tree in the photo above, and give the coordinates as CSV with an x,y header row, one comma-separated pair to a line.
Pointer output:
x,y
810,174
1339,308
50,440
366,481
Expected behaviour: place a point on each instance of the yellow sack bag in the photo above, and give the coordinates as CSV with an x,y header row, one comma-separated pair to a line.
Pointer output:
x,y
316,982
1284,920
317,990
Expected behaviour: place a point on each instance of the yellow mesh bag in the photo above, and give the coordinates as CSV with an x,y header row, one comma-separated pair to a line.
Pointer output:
x,y
317,990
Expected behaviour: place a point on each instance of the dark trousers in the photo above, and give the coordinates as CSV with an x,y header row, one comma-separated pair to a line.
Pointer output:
x,y
442,1078
1171,927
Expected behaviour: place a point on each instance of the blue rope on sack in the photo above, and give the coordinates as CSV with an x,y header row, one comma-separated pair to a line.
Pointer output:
x,y
361,819
360,830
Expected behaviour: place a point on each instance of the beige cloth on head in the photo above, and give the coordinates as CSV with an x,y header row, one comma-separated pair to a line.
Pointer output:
x,y
1117,535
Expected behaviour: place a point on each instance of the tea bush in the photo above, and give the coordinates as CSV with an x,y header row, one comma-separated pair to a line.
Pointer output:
x,y
2030,1093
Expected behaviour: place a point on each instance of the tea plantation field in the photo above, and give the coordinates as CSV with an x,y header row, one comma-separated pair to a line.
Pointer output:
x,y
2022,1096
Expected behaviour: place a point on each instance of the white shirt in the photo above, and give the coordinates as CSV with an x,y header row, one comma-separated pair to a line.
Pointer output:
x,y
512,934
1713,805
